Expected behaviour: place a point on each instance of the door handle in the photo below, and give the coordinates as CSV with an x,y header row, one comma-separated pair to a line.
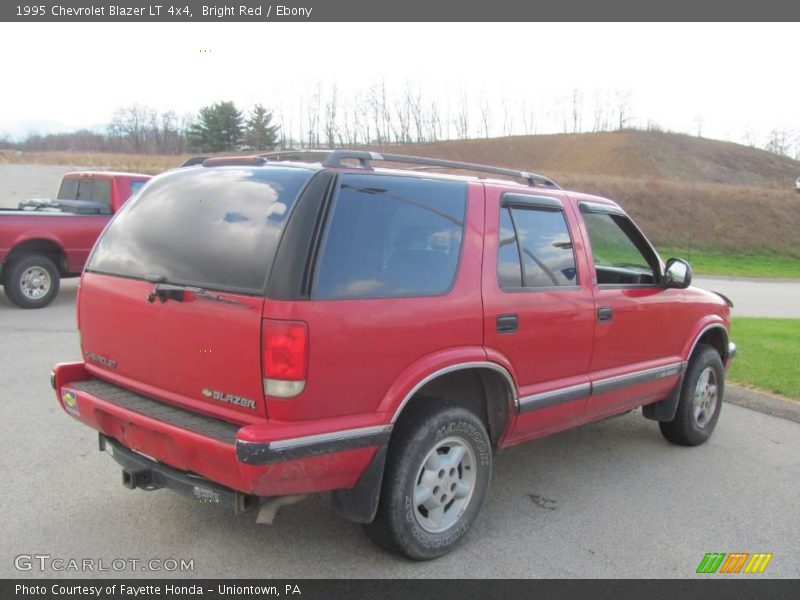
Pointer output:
x,y
507,323
605,314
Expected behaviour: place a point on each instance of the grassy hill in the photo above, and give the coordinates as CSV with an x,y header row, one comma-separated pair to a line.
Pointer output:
x,y
689,194
629,154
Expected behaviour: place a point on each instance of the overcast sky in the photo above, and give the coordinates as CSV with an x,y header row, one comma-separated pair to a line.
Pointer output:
x,y
729,78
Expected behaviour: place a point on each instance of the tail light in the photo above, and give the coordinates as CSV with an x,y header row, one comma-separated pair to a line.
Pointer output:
x,y
285,348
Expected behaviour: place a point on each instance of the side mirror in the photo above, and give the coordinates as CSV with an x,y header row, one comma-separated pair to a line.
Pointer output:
x,y
677,273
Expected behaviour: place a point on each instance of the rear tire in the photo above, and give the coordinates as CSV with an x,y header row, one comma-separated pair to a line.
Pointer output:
x,y
31,281
700,401
435,483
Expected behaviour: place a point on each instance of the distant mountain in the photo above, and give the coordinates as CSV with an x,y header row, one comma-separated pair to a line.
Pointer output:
x,y
18,130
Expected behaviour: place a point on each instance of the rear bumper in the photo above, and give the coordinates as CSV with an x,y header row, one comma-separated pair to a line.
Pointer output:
x,y
141,472
265,459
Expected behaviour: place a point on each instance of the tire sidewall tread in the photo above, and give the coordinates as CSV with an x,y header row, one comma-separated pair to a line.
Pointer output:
x,y
13,271
395,527
683,430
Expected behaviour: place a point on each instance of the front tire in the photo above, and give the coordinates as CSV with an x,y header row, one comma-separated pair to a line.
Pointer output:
x,y
435,483
700,401
31,281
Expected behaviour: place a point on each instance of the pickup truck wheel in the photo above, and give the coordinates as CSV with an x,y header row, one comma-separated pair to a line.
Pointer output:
x,y
32,281
700,402
435,483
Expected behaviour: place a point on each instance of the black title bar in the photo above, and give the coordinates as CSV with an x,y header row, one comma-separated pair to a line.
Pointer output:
x,y
397,10
711,588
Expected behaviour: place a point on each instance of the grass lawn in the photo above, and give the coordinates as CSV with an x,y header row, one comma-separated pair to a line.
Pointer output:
x,y
768,354
711,262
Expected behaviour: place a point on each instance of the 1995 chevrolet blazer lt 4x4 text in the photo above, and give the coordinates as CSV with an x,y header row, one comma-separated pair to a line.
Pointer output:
x,y
272,326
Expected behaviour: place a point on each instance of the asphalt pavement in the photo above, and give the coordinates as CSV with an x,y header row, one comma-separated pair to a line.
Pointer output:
x,y
610,499
776,298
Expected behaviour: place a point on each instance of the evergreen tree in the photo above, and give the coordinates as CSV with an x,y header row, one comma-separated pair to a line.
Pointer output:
x,y
259,133
219,128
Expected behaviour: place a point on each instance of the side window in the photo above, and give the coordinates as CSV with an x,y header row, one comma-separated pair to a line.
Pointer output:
x,y
391,236
136,186
534,249
621,255
509,271
68,189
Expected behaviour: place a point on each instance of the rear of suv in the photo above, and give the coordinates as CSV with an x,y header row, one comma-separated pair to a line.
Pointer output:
x,y
266,327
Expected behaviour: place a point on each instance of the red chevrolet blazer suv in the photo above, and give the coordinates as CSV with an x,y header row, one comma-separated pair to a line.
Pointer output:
x,y
258,328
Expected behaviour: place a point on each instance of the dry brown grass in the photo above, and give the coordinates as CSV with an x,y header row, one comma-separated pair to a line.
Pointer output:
x,y
683,191
703,216
136,163
636,154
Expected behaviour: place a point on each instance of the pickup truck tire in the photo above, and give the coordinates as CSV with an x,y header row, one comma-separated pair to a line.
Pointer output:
x,y
435,483
700,401
31,281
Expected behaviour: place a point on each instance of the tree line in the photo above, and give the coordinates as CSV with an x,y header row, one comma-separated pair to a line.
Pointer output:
x,y
218,127
375,115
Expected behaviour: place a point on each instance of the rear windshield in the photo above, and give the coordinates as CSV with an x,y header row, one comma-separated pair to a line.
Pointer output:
x,y
215,228
90,190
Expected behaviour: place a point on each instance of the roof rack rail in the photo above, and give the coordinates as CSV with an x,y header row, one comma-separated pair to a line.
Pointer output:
x,y
235,161
191,162
334,158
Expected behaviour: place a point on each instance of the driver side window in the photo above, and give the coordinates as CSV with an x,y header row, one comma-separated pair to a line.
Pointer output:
x,y
621,254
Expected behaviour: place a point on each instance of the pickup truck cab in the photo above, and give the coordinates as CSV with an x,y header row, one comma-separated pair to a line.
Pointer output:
x,y
265,327
45,240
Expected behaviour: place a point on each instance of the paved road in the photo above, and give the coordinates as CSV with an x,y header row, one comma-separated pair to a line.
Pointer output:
x,y
757,297
20,182
611,499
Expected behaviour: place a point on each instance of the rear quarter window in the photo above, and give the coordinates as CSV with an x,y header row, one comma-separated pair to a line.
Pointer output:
x,y
216,228
391,236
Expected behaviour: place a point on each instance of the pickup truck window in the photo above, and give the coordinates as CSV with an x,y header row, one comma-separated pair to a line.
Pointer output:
x,y
539,240
619,252
136,186
90,190
392,236
216,228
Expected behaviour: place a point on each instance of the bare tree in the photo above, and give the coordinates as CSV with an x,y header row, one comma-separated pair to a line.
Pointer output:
x,y
528,119
413,100
750,138
314,117
577,110
380,112
434,122
401,127
131,123
778,142
330,118
623,109
486,118
462,118
698,122
508,119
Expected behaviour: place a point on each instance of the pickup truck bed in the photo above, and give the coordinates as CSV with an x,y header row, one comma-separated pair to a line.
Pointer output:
x,y
39,244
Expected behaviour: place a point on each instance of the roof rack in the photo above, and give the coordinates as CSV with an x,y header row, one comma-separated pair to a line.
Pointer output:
x,y
334,158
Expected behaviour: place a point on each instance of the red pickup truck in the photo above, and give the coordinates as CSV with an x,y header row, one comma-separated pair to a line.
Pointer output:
x,y
45,240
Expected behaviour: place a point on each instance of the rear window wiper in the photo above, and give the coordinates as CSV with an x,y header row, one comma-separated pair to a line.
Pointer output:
x,y
170,291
